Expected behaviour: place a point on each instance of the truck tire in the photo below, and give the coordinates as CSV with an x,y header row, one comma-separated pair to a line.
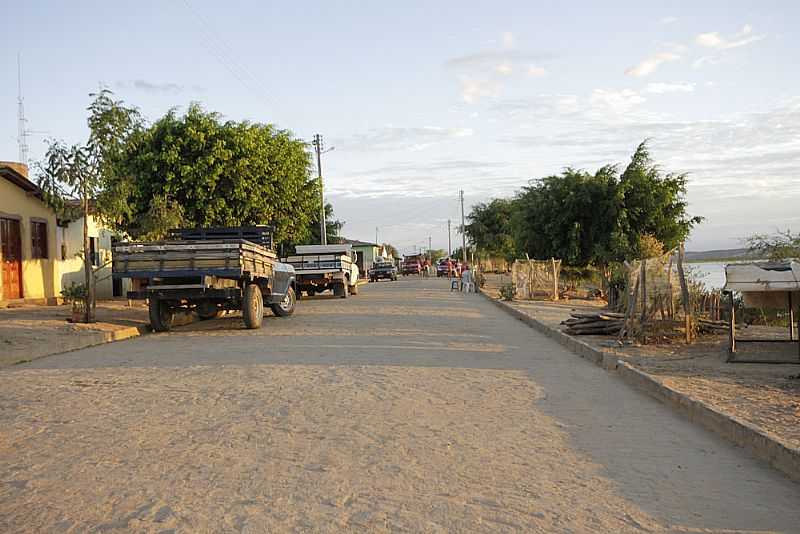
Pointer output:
x,y
253,307
354,289
286,307
340,290
161,315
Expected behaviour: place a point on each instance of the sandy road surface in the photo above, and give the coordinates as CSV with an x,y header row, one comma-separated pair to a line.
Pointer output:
x,y
405,408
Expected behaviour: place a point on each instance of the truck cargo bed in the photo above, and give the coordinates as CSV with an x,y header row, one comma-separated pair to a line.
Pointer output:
x,y
225,258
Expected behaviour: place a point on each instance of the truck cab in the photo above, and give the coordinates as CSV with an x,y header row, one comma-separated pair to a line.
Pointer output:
x,y
320,268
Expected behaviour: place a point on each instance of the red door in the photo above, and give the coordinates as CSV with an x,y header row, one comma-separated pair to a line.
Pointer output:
x,y
11,257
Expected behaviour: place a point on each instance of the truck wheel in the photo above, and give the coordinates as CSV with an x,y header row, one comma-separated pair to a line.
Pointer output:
x,y
161,315
286,307
354,289
340,290
253,306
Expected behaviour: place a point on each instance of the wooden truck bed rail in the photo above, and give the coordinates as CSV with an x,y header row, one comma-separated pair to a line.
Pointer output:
x,y
225,258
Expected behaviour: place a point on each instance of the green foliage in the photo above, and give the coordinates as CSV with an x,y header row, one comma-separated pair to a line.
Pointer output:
x,y
489,228
571,216
222,173
507,292
652,203
392,250
602,218
333,227
436,254
780,246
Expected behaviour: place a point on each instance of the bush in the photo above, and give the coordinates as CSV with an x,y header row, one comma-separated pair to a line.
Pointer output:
x,y
507,292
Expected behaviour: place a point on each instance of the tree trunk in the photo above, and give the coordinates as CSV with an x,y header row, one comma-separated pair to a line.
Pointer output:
x,y
88,313
687,305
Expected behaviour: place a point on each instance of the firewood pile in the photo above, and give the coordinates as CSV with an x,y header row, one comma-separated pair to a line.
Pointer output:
x,y
707,326
602,323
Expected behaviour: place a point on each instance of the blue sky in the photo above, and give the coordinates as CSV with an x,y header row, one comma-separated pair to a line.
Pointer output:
x,y
421,99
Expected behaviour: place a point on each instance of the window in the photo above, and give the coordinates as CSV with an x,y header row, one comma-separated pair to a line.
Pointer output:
x,y
94,255
38,240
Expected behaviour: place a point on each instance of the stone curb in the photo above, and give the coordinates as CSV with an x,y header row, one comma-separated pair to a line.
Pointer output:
x,y
761,444
83,340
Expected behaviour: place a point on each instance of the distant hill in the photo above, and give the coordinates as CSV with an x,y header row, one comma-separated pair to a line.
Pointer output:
x,y
722,254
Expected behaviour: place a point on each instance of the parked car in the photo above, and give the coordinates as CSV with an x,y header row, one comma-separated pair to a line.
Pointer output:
x,y
322,267
442,267
382,270
412,265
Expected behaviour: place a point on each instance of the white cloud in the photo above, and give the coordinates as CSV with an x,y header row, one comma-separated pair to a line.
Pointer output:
x,y
650,64
473,89
508,40
716,41
659,88
536,71
615,102
404,138
505,68
668,20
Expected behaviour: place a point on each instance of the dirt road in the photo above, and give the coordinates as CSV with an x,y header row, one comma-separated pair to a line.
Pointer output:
x,y
405,408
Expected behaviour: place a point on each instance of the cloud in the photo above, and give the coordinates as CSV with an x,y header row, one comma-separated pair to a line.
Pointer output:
x,y
153,87
508,40
473,89
650,64
716,41
504,68
615,102
659,88
490,58
404,138
536,71
668,20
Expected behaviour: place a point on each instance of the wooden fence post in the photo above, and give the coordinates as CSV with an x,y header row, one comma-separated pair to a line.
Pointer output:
x,y
687,305
555,279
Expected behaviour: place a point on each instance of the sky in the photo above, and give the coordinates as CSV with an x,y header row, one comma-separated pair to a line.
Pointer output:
x,y
421,99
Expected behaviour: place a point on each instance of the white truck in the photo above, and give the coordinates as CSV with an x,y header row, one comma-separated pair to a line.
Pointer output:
x,y
321,267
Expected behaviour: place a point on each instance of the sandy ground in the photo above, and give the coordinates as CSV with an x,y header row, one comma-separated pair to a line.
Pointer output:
x,y
406,408
763,394
30,332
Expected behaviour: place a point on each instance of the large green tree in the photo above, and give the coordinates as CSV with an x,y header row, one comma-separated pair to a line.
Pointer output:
x,y
221,173
489,228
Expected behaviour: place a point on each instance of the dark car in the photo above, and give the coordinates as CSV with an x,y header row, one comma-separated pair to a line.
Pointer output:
x,y
382,270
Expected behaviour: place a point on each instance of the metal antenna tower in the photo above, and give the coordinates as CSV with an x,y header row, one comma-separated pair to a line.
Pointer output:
x,y
22,130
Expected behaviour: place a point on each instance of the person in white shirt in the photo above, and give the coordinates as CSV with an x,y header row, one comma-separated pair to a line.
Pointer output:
x,y
467,280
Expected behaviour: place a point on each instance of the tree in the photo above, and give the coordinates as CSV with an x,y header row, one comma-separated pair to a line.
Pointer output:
x,y
571,216
782,245
653,203
490,229
391,250
333,227
87,173
221,173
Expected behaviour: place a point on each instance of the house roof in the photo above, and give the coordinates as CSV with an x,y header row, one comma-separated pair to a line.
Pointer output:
x,y
356,242
13,172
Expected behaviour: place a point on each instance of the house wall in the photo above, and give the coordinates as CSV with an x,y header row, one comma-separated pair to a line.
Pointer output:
x,y
40,277
71,239
370,253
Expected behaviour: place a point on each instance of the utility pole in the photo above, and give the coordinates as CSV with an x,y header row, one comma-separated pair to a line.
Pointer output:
x,y
323,233
430,254
463,229
376,235
449,244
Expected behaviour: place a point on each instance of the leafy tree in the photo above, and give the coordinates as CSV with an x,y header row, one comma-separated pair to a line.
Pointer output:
x,y
653,203
392,250
489,228
87,173
333,227
571,216
780,246
221,173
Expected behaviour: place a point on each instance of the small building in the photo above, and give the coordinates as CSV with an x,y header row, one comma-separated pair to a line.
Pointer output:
x,y
366,253
28,253
70,247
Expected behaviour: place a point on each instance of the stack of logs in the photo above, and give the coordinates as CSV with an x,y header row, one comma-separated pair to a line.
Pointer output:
x,y
713,327
603,323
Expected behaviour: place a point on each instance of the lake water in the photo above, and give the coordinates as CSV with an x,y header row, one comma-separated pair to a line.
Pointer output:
x,y
712,274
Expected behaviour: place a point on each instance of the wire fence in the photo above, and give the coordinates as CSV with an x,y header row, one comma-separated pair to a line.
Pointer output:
x,y
534,279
